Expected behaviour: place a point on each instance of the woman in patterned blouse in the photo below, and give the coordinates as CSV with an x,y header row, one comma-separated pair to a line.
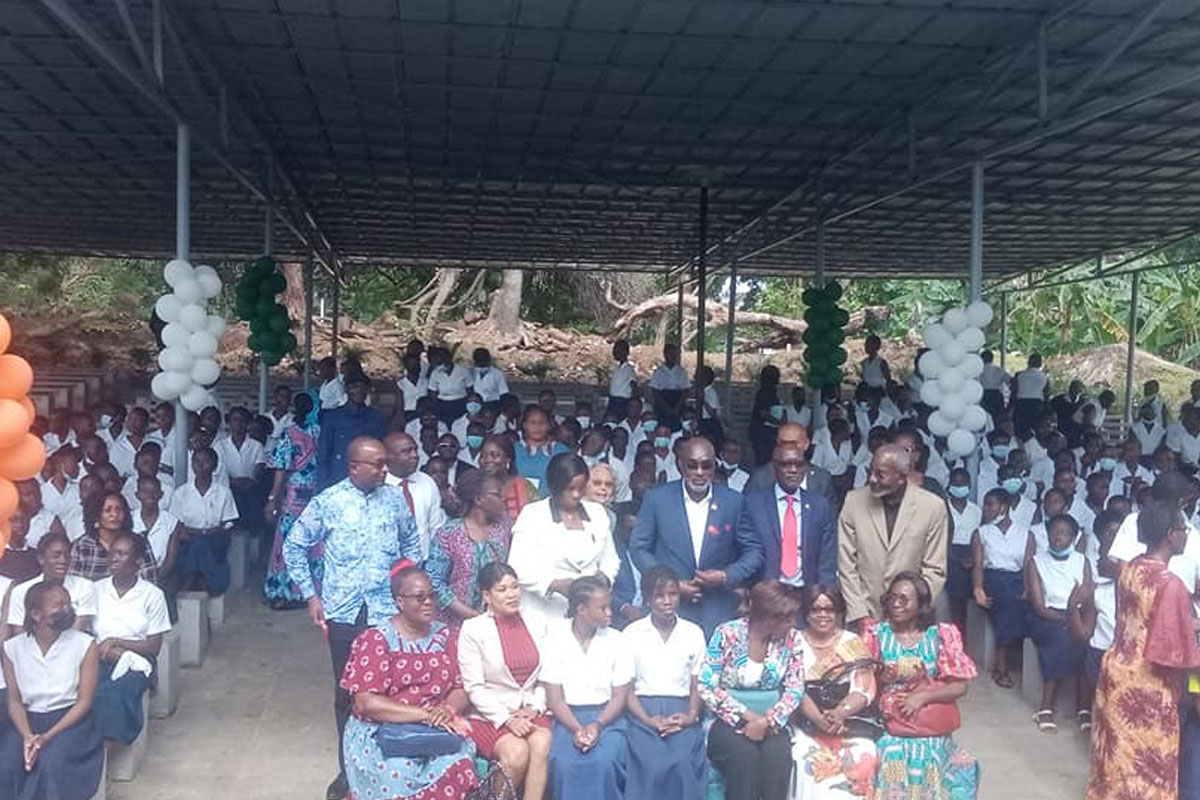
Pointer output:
x,y
751,748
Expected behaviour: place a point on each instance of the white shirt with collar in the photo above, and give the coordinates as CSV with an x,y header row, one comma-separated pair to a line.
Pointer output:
x,y
1126,547
1149,436
49,681
427,506
81,590
159,535
121,454
138,614
239,462
665,668
800,416
452,383
993,377
670,379
781,505
39,526
332,394
697,518
413,429
490,383
412,392
964,523
587,677
1123,478
620,383
165,484
1031,384
213,509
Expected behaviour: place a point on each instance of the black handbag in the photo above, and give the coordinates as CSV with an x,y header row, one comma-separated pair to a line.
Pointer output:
x,y
415,740
830,690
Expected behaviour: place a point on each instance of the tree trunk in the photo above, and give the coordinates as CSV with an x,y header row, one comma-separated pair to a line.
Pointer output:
x,y
505,313
447,277
293,295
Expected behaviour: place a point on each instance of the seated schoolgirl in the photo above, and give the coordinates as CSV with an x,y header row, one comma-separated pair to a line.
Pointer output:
x,y
205,507
1054,503
666,742
54,557
131,617
1092,608
965,517
999,549
587,673
55,751
1052,577
162,530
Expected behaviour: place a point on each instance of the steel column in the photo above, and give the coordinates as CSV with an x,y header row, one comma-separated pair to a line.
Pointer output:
x,y
818,407
975,277
1003,329
701,297
679,318
308,321
183,250
264,372
1135,286
337,299
730,329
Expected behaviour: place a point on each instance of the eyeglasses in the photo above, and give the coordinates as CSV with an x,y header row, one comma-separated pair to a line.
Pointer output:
x,y
898,600
707,463
421,598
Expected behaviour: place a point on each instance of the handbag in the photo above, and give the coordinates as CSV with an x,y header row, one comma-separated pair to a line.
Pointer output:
x,y
934,719
415,740
830,690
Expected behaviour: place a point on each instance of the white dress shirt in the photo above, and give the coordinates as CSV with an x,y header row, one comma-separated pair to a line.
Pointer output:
x,y
81,590
412,392
666,378
1004,550
213,509
800,416
697,518
1123,478
138,614
121,454
993,377
49,681
965,522
490,383
165,484
427,506
166,444
1126,547
39,526
453,383
620,383
665,668
159,535
332,394
587,677
66,505
1031,384
239,462
1149,435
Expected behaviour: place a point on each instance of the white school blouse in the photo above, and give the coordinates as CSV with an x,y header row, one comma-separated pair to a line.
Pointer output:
x,y
81,590
239,462
159,535
620,383
213,509
668,379
1004,551
1031,384
1106,613
451,384
165,484
49,681
412,392
1059,577
138,614
586,676
664,668
965,522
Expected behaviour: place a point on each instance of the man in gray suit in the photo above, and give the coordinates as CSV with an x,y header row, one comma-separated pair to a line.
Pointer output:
x,y
815,480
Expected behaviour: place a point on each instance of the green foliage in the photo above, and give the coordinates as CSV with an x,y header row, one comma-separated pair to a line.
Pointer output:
x,y
368,293
34,283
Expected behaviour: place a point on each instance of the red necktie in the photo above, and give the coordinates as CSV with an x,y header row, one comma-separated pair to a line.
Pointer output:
x,y
790,557
412,507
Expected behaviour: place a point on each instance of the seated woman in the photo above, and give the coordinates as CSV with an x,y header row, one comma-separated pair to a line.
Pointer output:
x,y
501,665
54,557
666,741
999,548
55,751
832,762
131,617
105,517
925,673
587,674
405,670
748,743
466,545
205,507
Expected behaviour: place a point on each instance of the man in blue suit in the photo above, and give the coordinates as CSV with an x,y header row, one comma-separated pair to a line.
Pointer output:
x,y
789,513
691,526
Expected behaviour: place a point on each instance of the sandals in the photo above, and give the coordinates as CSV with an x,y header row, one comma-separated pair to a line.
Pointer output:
x,y
1044,719
1003,680
1084,717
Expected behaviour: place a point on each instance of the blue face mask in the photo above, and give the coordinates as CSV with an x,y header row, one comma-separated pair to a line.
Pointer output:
x,y
1061,555
474,408
1107,464
960,492
650,425
662,442
474,442
1001,451
1013,485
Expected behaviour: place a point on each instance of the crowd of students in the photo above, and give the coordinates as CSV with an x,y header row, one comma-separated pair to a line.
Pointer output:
x,y
622,601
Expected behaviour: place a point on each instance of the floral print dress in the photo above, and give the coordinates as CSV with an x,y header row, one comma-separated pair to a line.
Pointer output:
x,y
296,453
454,563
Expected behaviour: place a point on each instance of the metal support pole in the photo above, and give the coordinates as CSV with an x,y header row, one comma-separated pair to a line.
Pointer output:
x,y
308,321
975,278
1135,287
702,296
264,372
679,317
730,329
156,35
818,416
1003,329
183,250
337,298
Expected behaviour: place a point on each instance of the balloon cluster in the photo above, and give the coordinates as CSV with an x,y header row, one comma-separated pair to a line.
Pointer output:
x,y
22,454
191,336
823,338
270,328
951,369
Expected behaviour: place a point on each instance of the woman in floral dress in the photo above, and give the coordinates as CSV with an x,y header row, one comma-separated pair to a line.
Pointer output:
x,y
295,464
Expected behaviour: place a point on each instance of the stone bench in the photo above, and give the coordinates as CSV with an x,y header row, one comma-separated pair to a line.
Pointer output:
x,y
239,559
193,628
981,639
125,760
164,696
216,610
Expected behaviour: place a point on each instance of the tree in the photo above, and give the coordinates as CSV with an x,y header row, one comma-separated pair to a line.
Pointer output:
x,y
505,313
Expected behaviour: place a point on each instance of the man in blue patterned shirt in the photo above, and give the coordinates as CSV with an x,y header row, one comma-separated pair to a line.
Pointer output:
x,y
366,528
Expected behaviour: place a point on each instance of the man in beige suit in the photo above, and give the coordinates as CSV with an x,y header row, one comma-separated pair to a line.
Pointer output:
x,y
885,528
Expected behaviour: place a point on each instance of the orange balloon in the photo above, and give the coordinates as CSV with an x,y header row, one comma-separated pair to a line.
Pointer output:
x,y
14,423
30,411
23,460
5,334
8,499
5,533
16,376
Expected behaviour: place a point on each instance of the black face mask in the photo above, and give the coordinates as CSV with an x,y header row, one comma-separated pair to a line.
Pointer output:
x,y
63,620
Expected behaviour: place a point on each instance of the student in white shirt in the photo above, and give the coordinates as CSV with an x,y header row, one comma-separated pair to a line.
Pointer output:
x,y
163,531
449,383
147,466
1148,430
206,508
665,468
490,382
425,416
50,670
798,411
474,413
874,368
587,672
420,491
999,548
60,492
1092,611
58,433
623,381
413,384
1030,390
1184,436
993,379
241,457
730,465
669,384
124,448
131,617
164,436
54,557
332,392
666,741
832,449
1130,472
965,518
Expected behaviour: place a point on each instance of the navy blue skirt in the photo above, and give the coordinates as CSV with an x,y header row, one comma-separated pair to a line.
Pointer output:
x,y
598,774
1091,663
661,768
1008,609
1059,656
958,572
69,768
207,554
118,704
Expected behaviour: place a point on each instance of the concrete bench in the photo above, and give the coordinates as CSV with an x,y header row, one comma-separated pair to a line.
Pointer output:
x,y
1031,678
164,697
239,559
216,610
193,628
125,760
981,639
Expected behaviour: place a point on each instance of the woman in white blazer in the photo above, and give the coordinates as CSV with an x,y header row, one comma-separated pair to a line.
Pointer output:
x,y
500,662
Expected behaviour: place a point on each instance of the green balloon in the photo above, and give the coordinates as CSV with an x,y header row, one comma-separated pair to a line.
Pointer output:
x,y
279,324
840,317
833,290
266,288
278,282
810,296
254,341
264,306
288,342
809,337
837,357
271,357
835,336
268,340
265,263
258,324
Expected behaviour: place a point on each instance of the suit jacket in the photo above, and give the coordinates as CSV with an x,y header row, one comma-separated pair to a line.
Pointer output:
x,y
868,559
494,693
661,536
819,482
818,539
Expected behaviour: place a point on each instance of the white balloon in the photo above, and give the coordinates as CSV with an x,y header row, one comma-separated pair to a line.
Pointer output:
x,y
175,359
939,425
950,381
935,335
955,320
175,335
971,366
971,392
202,344
973,339
961,442
931,364
158,385
193,317
205,371
952,352
931,394
974,418
216,325
188,291
952,407
175,271
210,282
168,307
195,398
979,314
177,382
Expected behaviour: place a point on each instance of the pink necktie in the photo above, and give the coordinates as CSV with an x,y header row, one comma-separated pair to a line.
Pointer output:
x,y
789,559
408,498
